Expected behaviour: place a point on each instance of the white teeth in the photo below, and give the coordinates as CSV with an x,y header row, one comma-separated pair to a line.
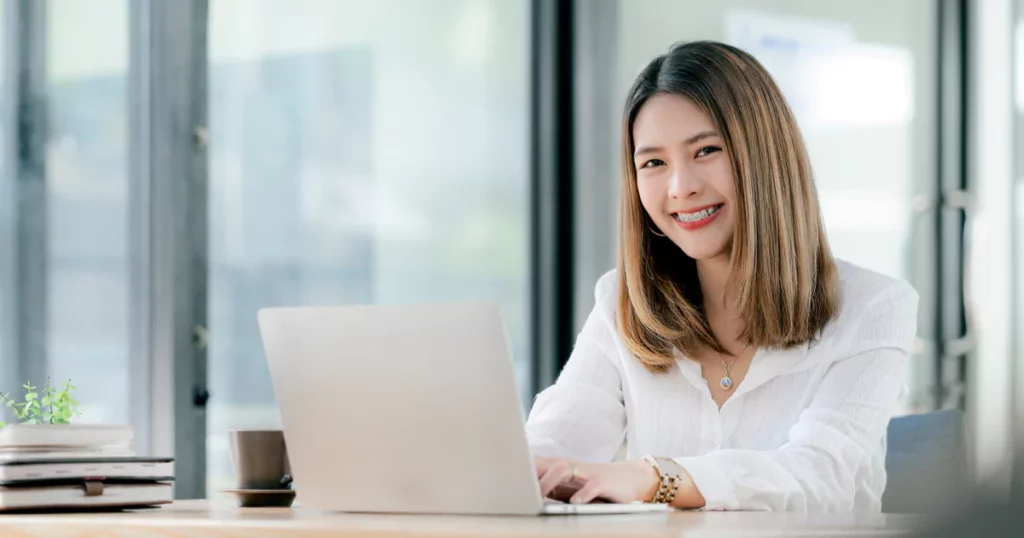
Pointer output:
x,y
699,215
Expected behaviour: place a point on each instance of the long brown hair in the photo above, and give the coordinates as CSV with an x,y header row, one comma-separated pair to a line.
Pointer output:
x,y
781,268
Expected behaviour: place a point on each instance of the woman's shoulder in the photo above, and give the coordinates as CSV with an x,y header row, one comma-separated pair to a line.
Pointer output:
x,y
874,307
860,286
606,300
606,291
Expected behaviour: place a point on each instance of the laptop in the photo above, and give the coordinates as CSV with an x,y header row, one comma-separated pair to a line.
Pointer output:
x,y
405,409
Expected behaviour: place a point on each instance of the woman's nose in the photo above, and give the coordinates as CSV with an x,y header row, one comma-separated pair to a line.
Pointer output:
x,y
682,184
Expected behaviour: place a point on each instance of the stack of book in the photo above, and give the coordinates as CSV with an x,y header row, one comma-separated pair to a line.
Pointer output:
x,y
77,466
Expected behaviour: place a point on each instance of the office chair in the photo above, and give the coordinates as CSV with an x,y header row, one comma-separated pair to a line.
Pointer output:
x,y
926,463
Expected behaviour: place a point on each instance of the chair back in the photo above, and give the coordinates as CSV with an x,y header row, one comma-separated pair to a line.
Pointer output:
x,y
926,462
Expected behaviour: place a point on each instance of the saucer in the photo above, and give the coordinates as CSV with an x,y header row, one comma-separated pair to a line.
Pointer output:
x,y
263,497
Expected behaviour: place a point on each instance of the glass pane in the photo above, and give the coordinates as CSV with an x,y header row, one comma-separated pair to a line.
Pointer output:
x,y
362,152
87,203
863,90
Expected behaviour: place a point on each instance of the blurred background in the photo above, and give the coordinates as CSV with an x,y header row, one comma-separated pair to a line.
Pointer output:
x,y
168,167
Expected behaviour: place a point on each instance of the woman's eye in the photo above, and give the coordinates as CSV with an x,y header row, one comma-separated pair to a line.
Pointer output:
x,y
708,150
652,163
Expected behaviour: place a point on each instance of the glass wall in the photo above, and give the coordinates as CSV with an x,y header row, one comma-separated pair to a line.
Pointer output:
x,y
863,90
361,152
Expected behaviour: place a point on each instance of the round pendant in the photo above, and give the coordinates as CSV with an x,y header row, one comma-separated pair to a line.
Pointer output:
x,y
726,383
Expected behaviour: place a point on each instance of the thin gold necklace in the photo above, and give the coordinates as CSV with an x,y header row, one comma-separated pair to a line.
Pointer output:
x,y
726,382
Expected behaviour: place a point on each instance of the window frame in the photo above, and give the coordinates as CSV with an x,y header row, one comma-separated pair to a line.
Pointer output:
x,y
24,276
168,195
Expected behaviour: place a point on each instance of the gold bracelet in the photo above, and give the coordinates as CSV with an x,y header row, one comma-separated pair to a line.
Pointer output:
x,y
670,474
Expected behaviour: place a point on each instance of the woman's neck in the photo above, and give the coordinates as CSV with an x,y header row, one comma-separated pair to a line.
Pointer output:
x,y
714,279
720,302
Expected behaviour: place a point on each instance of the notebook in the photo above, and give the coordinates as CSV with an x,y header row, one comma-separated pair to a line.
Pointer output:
x,y
65,435
12,472
82,494
78,467
64,452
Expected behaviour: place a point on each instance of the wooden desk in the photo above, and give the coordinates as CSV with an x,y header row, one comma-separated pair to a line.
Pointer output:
x,y
220,519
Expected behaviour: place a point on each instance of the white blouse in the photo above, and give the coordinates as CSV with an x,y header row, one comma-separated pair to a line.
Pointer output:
x,y
804,430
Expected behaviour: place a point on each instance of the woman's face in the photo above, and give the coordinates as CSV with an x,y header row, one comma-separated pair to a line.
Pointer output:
x,y
684,176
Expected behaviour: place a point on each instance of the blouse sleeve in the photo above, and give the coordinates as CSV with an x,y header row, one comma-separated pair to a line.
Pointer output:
x,y
846,420
582,416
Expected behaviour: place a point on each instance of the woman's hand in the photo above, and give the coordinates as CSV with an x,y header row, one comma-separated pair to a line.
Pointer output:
x,y
580,483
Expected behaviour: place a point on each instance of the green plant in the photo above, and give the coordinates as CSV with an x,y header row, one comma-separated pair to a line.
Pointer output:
x,y
55,406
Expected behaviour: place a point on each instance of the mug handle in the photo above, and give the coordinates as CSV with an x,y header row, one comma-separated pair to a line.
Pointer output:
x,y
286,480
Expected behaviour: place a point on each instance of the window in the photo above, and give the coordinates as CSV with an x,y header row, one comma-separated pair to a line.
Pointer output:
x,y
87,203
66,279
361,152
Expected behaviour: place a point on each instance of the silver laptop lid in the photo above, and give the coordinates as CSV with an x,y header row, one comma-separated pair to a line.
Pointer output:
x,y
400,408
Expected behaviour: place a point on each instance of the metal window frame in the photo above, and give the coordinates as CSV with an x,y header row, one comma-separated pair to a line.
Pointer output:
x,y
23,203
597,165
552,148
1017,285
953,341
168,194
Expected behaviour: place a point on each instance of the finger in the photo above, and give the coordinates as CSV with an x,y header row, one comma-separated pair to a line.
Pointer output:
x,y
542,465
581,476
590,491
555,476
563,493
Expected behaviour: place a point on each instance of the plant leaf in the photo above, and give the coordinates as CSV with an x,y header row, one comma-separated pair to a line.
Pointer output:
x,y
47,400
66,414
31,396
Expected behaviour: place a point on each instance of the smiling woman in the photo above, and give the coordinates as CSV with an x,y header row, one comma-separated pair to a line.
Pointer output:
x,y
744,367
701,189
